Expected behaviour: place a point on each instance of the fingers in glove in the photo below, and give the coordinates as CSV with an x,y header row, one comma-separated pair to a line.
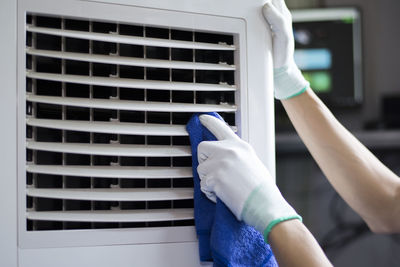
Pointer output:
x,y
202,170
206,149
274,18
206,171
280,5
210,195
207,186
201,157
217,127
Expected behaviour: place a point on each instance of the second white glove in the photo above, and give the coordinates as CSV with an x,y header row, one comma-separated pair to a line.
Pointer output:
x,y
288,80
230,169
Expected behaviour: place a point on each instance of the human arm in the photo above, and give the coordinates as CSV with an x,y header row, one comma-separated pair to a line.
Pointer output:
x,y
367,185
230,169
294,245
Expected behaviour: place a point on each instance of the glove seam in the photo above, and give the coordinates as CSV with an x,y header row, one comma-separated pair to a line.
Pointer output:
x,y
248,200
280,70
277,221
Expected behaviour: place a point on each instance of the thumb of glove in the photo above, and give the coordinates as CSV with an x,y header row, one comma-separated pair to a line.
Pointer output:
x,y
218,128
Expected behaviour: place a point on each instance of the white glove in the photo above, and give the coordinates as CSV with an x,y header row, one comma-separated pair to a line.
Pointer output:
x,y
230,169
288,79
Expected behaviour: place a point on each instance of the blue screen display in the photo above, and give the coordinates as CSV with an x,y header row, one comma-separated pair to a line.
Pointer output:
x,y
313,58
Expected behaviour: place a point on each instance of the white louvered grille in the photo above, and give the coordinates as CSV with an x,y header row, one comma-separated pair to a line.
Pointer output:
x,y
107,105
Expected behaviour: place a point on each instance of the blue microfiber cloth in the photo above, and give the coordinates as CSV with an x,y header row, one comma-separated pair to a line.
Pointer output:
x,y
222,238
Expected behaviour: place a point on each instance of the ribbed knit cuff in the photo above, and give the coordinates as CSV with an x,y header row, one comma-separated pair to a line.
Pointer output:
x,y
289,82
265,207
277,221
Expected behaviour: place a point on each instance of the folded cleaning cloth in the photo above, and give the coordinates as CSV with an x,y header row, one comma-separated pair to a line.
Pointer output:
x,y
222,238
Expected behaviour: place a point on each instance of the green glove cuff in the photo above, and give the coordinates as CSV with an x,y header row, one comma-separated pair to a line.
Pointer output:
x,y
289,82
265,208
277,221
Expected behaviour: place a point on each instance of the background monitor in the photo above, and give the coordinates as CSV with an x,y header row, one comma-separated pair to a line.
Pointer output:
x,y
328,52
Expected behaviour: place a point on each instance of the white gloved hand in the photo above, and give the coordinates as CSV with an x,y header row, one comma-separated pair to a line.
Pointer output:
x,y
288,79
230,169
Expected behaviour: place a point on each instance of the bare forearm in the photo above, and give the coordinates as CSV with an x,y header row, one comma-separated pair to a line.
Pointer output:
x,y
294,245
369,187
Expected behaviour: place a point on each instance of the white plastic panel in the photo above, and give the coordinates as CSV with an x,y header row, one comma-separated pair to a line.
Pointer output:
x,y
117,255
184,15
8,135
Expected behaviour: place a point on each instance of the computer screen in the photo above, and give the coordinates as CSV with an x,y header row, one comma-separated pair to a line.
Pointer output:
x,y
328,52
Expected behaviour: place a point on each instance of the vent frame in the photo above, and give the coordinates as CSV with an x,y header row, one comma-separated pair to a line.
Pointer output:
x,y
174,19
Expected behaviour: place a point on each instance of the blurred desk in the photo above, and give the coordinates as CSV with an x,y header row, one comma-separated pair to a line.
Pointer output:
x,y
376,140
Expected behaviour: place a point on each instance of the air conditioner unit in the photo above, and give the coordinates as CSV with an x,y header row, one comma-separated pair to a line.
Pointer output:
x,y
95,95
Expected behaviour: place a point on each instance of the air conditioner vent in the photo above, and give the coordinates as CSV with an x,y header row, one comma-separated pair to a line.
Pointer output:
x,y
107,104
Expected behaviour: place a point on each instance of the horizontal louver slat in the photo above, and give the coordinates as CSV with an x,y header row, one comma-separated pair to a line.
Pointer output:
x,y
113,215
130,83
113,194
110,127
129,61
133,40
113,171
130,104
112,149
